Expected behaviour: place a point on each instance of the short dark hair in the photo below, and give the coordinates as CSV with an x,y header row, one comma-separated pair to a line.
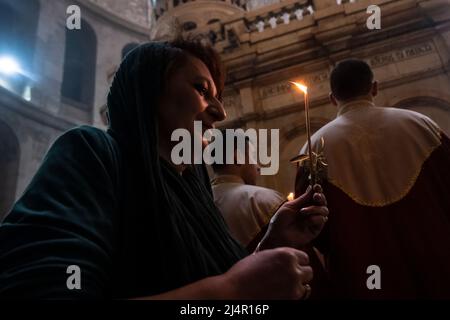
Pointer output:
x,y
205,53
351,78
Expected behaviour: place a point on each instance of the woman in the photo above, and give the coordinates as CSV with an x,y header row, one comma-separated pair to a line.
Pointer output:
x,y
135,224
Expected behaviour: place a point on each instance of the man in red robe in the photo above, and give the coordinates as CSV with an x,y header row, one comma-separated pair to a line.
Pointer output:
x,y
388,190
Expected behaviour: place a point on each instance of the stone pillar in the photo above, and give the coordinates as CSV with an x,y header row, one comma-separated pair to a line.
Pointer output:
x,y
49,56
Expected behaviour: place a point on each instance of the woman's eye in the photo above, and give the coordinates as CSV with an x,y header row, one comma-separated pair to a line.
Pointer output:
x,y
201,89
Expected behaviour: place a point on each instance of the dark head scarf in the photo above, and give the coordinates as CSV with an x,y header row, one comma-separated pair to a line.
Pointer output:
x,y
169,231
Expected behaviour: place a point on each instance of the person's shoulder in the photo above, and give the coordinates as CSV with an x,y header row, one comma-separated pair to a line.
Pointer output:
x,y
265,200
262,194
87,134
325,131
85,144
96,139
404,113
414,117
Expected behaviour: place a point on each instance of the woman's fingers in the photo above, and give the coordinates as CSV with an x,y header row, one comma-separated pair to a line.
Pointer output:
x,y
271,274
314,210
316,220
302,200
302,257
306,274
306,292
317,188
320,199
312,193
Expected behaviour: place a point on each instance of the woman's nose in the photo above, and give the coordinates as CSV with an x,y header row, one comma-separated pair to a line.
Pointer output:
x,y
216,110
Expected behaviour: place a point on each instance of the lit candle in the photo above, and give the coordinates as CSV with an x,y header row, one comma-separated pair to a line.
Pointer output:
x,y
304,89
290,196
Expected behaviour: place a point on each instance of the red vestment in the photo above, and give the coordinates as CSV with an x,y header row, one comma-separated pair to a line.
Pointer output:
x,y
388,194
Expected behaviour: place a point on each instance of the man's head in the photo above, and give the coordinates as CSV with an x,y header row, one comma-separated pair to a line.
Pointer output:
x,y
352,79
248,172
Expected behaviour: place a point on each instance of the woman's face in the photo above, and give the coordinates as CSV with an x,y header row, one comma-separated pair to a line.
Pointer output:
x,y
191,95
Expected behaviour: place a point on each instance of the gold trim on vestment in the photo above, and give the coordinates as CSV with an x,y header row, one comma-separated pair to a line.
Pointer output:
x,y
392,200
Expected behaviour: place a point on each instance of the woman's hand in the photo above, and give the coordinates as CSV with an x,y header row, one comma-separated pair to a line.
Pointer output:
x,y
281,273
297,222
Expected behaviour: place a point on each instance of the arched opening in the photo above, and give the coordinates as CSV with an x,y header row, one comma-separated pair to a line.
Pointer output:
x,y
128,47
9,168
78,86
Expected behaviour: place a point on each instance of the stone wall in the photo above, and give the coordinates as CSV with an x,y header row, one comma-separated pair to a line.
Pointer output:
x,y
35,124
136,11
409,56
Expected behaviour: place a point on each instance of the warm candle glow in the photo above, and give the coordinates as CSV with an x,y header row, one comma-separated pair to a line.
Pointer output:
x,y
301,87
290,197
304,88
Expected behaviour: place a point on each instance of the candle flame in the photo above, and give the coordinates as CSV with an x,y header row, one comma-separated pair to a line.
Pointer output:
x,y
300,86
290,197
304,88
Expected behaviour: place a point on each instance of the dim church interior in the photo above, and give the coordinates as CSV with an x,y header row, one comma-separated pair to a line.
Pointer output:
x,y
60,78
